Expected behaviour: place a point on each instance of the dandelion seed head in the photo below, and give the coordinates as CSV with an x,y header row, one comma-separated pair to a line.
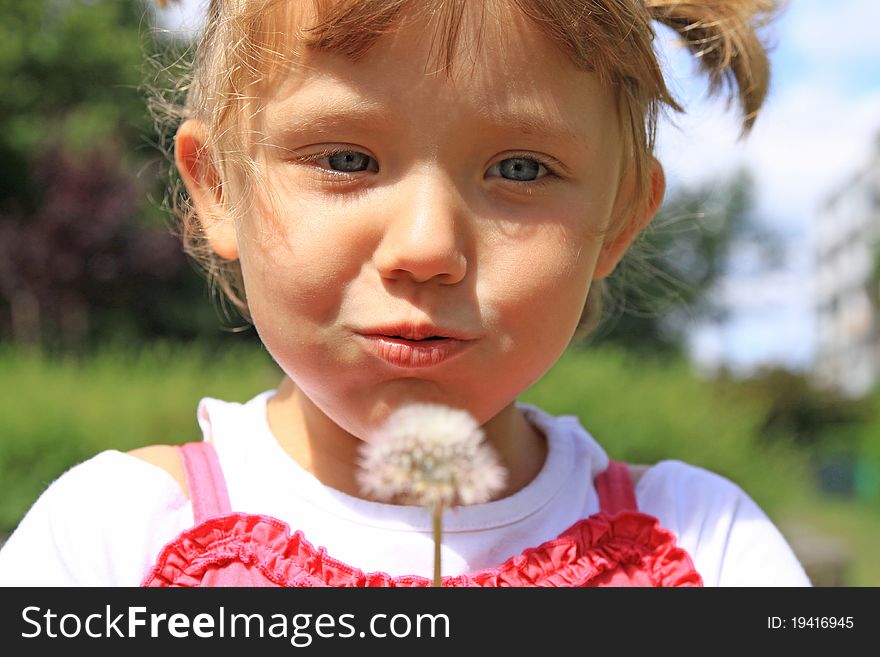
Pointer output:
x,y
430,455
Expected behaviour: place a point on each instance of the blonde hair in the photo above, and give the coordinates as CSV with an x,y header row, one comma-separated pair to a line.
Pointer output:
x,y
243,40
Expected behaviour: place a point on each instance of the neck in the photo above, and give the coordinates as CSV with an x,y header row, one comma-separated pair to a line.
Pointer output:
x,y
330,453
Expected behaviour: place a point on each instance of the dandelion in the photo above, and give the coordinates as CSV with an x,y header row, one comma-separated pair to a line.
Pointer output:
x,y
433,456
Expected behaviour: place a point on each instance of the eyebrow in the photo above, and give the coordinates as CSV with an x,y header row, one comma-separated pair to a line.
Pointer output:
x,y
333,112
533,124
330,113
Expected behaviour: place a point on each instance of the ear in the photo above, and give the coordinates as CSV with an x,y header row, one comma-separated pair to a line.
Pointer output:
x,y
203,183
618,242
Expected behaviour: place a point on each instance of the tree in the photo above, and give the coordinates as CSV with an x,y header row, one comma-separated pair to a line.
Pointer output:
x,y
80,252
668,281
84,253
70,71
795,408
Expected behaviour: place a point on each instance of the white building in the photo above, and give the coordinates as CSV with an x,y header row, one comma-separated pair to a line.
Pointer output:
x,y
848,244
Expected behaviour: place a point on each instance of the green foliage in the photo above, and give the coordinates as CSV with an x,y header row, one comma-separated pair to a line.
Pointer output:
x,y
70,71
60,411
798,410
648,408
79,183
665,282
874,280
859,443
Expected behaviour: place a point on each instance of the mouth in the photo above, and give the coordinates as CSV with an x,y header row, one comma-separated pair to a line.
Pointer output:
x,y
418,333
414,346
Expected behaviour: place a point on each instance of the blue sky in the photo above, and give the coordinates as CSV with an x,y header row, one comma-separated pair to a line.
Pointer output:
x,y
820,122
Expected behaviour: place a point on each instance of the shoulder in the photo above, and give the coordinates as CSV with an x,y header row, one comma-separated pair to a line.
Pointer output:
x,y
637,471
730,538
679,481
99,523
112,478
166,458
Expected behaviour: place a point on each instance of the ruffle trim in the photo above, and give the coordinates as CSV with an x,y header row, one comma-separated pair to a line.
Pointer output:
x,y
588,549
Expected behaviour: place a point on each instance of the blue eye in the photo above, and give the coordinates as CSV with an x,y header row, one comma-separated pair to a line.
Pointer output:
x,y
519,169
348,161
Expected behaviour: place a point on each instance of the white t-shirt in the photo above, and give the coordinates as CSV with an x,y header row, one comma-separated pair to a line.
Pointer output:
x,y
104,521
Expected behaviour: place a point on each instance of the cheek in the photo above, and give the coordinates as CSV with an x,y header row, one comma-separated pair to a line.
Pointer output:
x,y
297,259
295,286
544,280
536,302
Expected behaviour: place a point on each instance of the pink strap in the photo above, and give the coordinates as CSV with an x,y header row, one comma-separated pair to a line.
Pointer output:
x,y
615,488
207,487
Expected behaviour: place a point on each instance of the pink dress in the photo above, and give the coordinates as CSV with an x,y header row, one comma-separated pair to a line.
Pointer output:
x,y
618,546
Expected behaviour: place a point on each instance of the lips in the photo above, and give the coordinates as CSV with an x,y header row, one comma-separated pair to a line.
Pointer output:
x,y
414,345
417,332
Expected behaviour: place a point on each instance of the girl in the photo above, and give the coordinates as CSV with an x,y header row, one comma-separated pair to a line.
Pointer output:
x,y
411,200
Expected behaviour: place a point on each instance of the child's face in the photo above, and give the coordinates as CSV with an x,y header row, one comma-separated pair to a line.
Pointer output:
x,y
447,212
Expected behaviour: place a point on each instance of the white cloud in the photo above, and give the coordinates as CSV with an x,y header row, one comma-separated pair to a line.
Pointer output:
x,y
807,143
833,32
185,17
752,341
810,137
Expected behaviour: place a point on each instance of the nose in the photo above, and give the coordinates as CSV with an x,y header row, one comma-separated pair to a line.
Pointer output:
x,y
425,233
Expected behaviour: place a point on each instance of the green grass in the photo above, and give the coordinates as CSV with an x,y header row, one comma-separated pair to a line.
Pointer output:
x,y
643,410
835,528
57,412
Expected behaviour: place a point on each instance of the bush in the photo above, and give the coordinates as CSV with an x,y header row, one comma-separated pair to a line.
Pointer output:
x,y
643,409
60,411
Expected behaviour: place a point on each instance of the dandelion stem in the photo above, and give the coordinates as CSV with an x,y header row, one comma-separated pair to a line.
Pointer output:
x,y
438,538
